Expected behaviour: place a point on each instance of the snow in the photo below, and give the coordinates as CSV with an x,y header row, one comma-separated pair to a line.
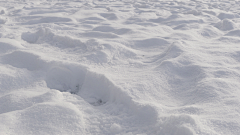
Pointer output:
x,y
115,128
119,67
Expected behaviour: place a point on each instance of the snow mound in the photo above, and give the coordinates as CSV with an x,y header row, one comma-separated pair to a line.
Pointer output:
x,y
120,31
187,27
3,20
115,128
177,125
210,32
46,35
39,20
8,45
234,33
109,16
194,12
51,116
23,59
226,25
152,43
223,16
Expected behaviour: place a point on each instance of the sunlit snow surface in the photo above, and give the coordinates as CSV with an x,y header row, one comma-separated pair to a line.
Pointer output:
x,y
119,67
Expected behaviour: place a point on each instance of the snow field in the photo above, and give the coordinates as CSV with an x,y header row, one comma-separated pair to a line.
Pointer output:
x,y
119,67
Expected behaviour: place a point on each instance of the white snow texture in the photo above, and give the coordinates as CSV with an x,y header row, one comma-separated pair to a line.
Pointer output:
x,y
119,67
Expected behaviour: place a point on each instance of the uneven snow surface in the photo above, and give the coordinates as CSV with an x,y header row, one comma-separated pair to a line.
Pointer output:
x,y
119,67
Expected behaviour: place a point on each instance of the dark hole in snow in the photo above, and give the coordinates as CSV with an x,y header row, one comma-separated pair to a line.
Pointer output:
x,y
90,87
98,103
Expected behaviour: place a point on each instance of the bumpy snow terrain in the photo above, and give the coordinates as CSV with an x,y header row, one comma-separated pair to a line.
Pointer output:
x,y
119,67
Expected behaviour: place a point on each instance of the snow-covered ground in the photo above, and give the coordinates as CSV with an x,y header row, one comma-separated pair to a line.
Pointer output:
x,y
126,67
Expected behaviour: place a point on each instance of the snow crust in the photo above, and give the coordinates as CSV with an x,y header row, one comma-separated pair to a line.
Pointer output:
x,y
119,67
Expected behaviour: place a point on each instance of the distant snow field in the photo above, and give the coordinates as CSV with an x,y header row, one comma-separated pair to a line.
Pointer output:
x,y
119,67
